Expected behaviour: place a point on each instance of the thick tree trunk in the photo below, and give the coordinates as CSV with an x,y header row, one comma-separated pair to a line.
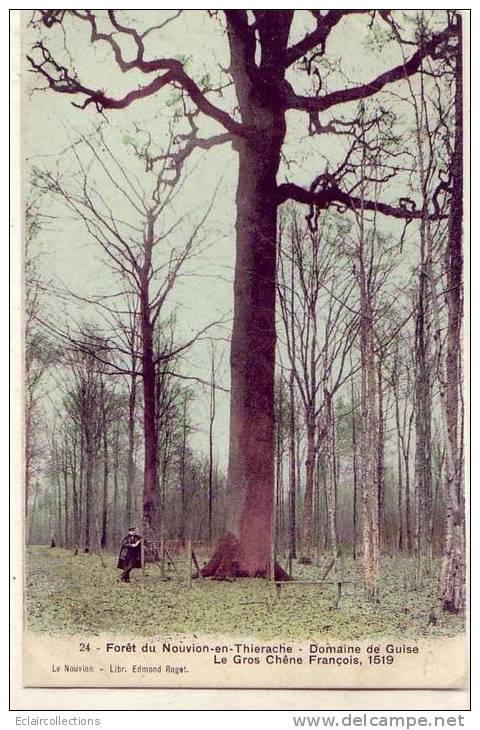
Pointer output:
x,y
244,549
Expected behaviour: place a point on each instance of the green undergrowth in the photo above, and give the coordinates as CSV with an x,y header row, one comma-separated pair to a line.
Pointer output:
x,y
76,594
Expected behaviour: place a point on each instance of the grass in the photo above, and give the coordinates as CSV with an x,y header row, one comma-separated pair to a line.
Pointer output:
x,y
74,594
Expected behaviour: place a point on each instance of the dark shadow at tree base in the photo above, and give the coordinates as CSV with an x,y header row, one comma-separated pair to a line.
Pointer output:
x,y
449,606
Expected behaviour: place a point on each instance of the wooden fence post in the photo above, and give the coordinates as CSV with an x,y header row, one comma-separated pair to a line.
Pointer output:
x,y
189,562
162,557
142,547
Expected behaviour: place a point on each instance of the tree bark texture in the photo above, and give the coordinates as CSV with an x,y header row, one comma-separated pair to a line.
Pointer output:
x,y
245,547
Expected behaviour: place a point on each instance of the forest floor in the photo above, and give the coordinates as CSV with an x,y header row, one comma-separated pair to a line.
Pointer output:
x,y
76,594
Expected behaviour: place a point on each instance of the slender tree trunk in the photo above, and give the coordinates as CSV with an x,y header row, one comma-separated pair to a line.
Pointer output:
x,y
400,540
149,392
292,491
66,512
210,449
104,536
60,541
440,457
330,475
369,402
336,476
114,529
165,464
28,439
89,449
81,485
308,497
355,472
75,500
369,458
452,574
182,476
423,469
381,456
279,469
32,516
369,433
408,499
316,508
132,402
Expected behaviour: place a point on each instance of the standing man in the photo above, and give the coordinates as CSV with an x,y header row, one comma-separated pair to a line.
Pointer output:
x,y
130,554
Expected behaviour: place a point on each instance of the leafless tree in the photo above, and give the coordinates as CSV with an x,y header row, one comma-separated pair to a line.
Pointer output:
x,y
146,254
261,61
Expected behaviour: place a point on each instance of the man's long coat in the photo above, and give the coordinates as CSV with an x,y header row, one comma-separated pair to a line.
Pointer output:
x,y
130,557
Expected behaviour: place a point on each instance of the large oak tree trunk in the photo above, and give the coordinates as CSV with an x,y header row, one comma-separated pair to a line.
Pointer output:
x,y
245,547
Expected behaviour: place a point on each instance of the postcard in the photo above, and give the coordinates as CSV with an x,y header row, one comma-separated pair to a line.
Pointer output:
x,y
240,252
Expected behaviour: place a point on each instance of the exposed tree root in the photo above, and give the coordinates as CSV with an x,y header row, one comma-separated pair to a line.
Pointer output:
x,y
226,564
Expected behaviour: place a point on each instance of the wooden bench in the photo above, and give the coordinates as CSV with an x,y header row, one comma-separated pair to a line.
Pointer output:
x,y
280,583
336,580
